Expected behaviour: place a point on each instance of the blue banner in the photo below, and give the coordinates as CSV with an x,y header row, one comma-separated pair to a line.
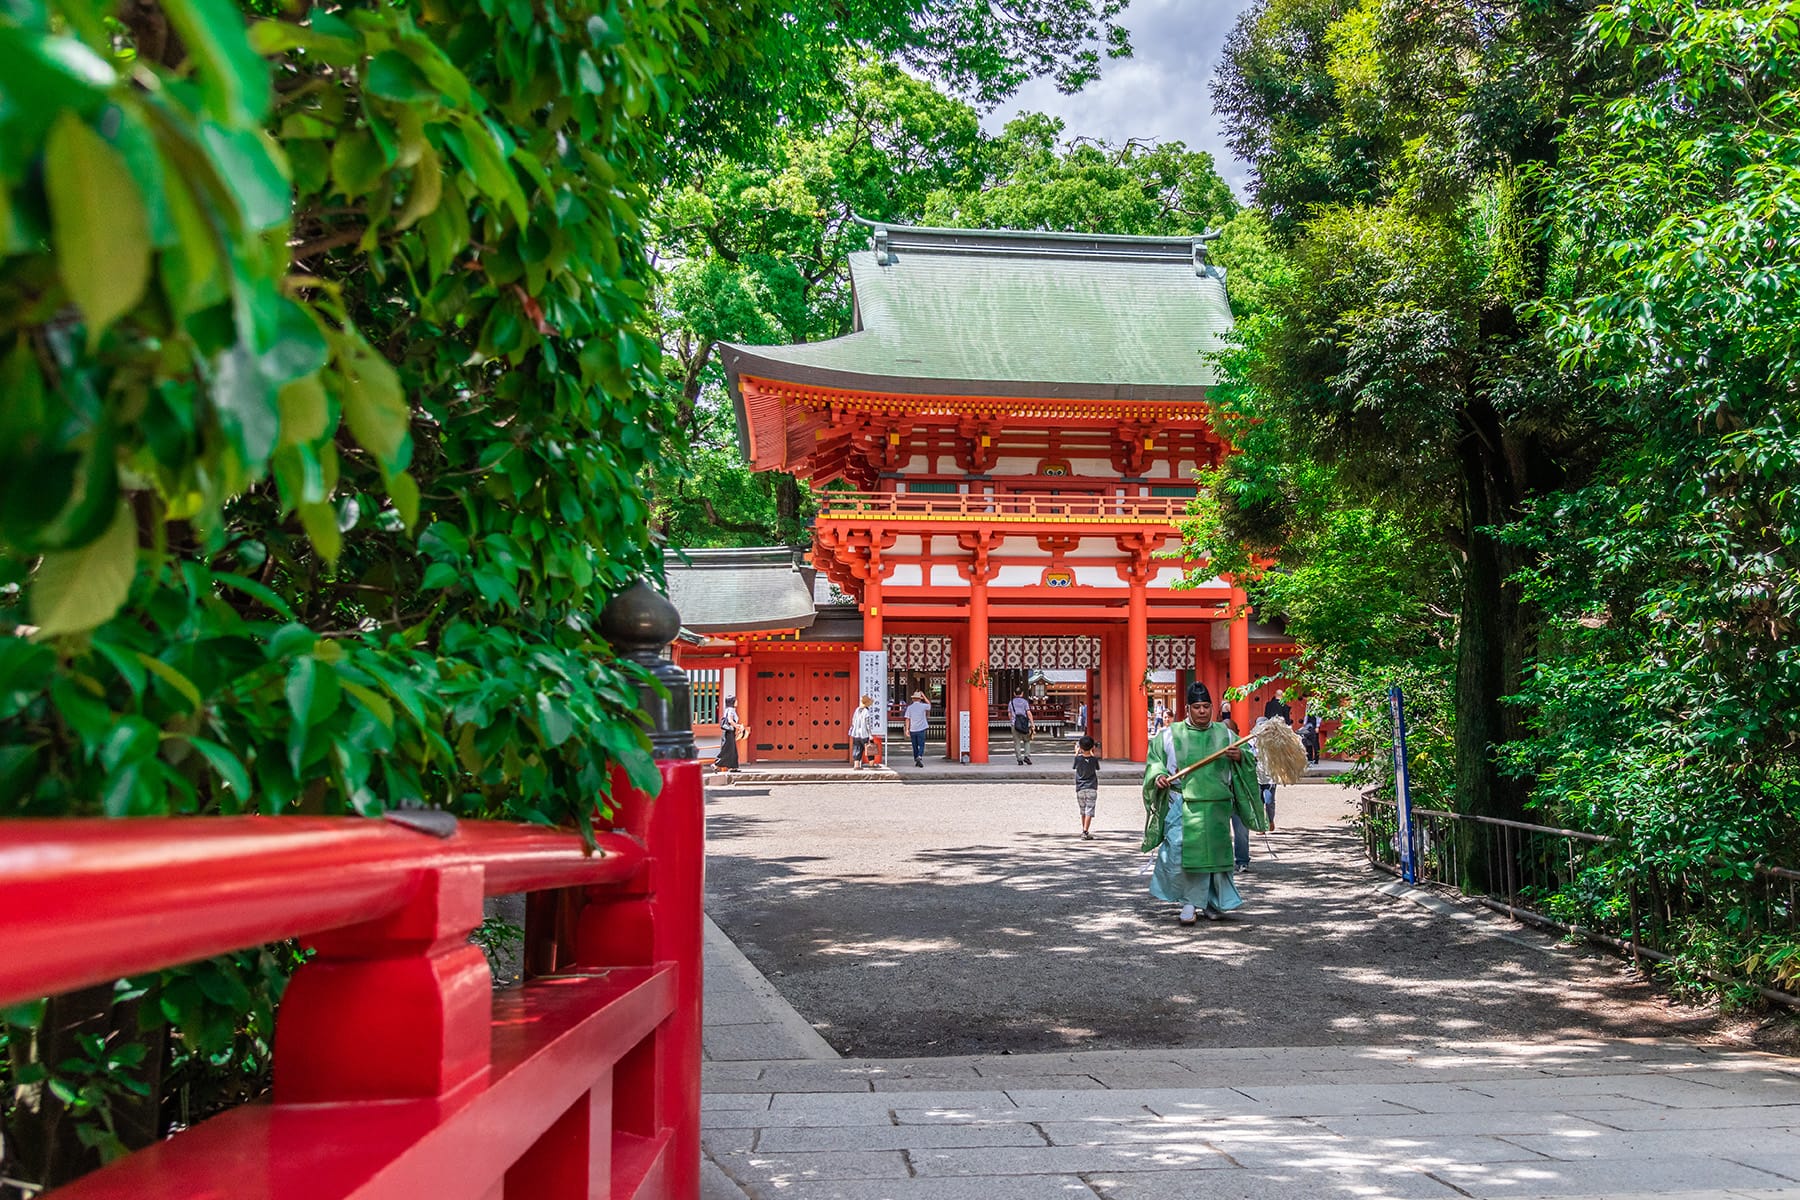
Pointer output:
x,y
1403,790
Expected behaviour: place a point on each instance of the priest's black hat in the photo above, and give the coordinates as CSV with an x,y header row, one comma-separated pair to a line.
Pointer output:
x,y
1197,693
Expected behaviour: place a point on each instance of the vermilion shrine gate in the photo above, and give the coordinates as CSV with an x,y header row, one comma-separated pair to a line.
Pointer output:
x,y
1001,450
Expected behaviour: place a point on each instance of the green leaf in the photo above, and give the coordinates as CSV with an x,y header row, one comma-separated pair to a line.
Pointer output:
x,y
427,190
404,492
175,679
320,520
305,411
554,719
193,277
252,169
479,148
46,76
75,590
372,700
392,77
233,79
357,163
99,227
374,407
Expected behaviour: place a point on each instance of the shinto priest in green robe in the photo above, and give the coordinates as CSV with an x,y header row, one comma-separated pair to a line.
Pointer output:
x,y
1189,826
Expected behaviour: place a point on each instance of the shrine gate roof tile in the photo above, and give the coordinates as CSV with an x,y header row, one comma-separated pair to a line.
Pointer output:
x,y
999,313
740,591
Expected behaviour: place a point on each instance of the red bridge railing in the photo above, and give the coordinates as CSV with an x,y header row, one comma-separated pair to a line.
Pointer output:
x,y
399,1072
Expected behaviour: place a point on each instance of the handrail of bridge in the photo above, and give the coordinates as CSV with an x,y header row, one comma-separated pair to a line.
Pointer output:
x,y
399,1071
1070,508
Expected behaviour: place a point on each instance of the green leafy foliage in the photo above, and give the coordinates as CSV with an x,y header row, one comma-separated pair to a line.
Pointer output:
x,y
331,389
1534,343
1668,691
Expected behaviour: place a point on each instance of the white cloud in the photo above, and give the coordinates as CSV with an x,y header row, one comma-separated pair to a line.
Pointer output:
x,y
1163,91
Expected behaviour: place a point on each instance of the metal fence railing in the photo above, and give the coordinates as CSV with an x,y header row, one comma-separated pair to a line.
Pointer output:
x,y
1583,883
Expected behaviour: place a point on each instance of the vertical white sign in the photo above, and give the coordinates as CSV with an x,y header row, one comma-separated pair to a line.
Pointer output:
x,y
962,733
872,681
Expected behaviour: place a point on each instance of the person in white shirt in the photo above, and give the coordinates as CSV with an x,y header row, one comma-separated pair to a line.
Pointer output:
x,y
918,718
862,729
1019,710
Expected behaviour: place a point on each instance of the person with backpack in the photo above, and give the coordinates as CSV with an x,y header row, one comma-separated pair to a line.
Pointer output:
x,y
1309,737
918,720
1020,710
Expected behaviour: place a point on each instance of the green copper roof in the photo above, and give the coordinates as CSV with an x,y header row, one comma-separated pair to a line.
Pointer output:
x,y
997,313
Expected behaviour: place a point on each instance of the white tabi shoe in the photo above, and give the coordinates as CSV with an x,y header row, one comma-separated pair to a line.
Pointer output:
x,y
1187,914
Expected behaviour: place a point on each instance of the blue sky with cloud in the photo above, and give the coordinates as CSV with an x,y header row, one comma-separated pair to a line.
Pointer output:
x,y
1163,91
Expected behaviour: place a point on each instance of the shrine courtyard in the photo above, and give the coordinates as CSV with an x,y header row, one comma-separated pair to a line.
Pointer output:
x,y
928,991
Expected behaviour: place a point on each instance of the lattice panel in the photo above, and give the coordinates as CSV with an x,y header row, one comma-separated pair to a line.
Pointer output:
x,y
1045,653
1172,654
917,653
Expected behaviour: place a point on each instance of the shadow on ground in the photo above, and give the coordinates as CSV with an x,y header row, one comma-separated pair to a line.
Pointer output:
x,y
903,921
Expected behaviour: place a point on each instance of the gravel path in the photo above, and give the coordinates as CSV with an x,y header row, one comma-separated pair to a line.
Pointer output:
x,y
930,920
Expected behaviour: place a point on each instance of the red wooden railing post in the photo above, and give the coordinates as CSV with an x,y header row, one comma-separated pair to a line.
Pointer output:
x,y
398,1008
658,920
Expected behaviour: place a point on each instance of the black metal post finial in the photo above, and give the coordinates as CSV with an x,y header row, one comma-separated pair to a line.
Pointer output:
x,y
640,623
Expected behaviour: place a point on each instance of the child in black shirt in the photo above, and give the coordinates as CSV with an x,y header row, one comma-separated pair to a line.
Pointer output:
x,y
1087,782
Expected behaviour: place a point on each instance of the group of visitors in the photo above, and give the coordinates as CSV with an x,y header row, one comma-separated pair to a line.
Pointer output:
x,y
865,725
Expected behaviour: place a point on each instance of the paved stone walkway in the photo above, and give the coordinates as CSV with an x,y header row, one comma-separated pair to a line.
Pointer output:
x,y
1618,1118
1550,1113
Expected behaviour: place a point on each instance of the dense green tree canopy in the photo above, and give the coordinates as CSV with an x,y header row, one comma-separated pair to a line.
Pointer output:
x,y
1516,375
330,388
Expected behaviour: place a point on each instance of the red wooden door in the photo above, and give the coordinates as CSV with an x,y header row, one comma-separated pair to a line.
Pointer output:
x,y
800,709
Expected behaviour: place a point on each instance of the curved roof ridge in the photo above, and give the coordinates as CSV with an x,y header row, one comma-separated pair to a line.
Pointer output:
x,y
1024,241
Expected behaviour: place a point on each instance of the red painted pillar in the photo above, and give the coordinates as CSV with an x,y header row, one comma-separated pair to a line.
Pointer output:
x,y
956,693
872,612
1240,645
1137,652
1114,703
978,660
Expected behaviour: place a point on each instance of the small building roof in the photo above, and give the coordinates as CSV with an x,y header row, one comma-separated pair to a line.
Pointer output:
x,y
960,312
739,591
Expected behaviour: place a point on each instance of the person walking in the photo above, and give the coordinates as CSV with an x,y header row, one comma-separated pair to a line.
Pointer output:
x,y
728,736
862,729
1309,737
1087,783
918,719
1266,782
1081,718
1019,709
1159,721
1186,822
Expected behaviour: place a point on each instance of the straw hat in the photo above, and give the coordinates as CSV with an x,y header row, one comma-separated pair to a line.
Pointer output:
x,y
918,695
